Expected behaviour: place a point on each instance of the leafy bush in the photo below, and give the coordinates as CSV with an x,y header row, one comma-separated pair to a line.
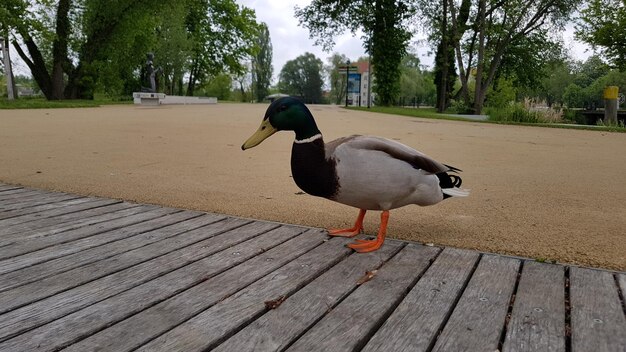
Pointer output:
x,y
502,94
526,112
574,116
459,107
515,112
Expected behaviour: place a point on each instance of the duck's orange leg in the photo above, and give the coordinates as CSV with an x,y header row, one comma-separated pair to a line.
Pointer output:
x,y
351,232
362,246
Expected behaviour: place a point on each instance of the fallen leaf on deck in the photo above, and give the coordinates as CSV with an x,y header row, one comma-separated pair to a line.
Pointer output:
x,y
273,304
367,277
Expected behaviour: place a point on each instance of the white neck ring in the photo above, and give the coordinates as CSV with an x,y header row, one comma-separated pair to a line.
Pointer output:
x,y
308,140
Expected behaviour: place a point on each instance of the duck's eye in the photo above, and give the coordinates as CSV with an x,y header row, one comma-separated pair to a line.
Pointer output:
x,y
282,108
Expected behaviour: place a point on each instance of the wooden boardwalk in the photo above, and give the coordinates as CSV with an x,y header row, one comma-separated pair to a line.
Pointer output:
x,y
91,274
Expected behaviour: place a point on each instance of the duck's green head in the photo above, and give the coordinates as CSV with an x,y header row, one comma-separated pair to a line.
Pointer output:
x,y
284,114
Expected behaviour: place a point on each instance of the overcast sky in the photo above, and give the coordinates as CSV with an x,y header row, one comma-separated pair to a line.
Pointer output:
x,y
289,40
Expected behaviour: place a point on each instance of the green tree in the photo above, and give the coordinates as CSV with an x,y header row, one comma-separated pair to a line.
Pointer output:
x,y
574,96
244,81
446,26
109,43
219,86
602,24
385,23
416,86
262,69
445,73
336,79
172,49
496,34
28,20
65,43
558,75
568,82
303,77
589,71
73,47
501,93
223,35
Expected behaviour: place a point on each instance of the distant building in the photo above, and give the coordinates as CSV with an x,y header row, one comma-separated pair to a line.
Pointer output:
x,y
358,85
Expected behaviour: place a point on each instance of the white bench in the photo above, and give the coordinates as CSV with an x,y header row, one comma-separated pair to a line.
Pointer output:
x,y
147,98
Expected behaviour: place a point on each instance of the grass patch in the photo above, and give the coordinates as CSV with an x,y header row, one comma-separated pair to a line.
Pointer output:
x,y
619,124
531,120
42,103
429,113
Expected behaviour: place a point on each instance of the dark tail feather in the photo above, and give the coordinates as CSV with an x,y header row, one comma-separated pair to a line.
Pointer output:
x,y
449,181
452,168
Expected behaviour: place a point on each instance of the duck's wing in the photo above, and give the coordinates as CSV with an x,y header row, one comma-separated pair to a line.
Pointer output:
x,y
394,149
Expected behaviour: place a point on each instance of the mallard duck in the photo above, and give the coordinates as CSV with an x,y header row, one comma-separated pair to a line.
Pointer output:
x,y
366,172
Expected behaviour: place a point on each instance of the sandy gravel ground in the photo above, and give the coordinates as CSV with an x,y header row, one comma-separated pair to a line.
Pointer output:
x,y
536,192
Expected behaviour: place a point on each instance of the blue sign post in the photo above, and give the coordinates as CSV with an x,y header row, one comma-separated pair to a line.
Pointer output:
x,y
353,80
354,83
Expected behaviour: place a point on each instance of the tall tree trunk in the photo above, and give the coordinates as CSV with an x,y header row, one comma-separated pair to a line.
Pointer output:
x,y
192,78
459,26
180,85
37,65
51,85
442,89
59,49
481,88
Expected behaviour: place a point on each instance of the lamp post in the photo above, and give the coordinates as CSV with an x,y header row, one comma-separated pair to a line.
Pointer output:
x,y
369,72
347,81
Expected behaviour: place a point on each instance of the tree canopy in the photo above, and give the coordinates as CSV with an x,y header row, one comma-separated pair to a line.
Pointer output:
x,y
385,24
262,69
302,77
602,24
336,79
73,47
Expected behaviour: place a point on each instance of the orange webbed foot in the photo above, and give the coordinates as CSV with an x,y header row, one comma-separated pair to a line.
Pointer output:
x,y
351,232
364,246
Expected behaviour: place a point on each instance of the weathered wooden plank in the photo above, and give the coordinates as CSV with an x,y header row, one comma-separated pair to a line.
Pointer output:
x,y
49,286
54,209
414,325
621,281
39,204
4,187
187,336
597,317
478,319
13,190
16,194
134,296
185,222
56,224
538,318
30,198
52,235
163,316
349,325
94,248
55,237
276,329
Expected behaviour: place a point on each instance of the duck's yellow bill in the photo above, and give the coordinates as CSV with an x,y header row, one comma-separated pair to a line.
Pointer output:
x,y
264,131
